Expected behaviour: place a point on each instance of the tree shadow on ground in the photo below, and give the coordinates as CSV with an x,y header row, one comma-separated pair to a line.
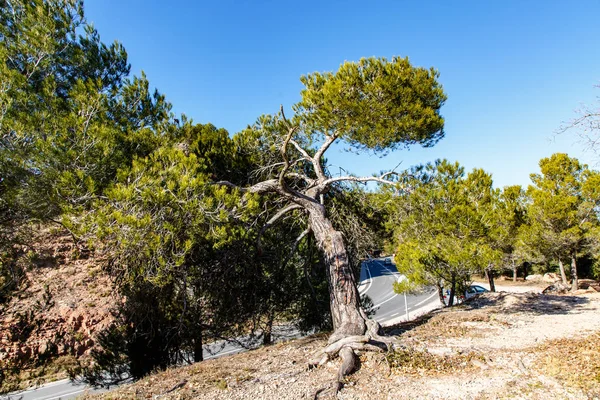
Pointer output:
x,y
531,303
44,260
500,303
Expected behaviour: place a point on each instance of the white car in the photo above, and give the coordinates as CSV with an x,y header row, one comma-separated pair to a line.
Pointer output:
x,y
474,290
471,291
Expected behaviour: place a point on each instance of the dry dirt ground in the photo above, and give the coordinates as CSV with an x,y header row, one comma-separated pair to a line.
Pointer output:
x,y
497,346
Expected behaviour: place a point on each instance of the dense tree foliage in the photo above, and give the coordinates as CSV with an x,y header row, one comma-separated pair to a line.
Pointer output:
x,y
56,77
509,216
69,117
442,226
563,212
87,147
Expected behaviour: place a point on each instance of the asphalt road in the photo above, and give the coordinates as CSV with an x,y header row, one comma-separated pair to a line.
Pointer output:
x,y
376,282
65,389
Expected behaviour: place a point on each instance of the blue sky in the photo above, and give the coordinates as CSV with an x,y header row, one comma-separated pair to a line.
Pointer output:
x,y
512,70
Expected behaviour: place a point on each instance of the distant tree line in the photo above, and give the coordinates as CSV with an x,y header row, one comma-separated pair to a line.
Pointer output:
x,y
452,224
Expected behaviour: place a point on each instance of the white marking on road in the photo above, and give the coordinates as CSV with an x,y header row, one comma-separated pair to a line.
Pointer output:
x,y
398,278
369,281
47,385
63,395
225,352
55,383
385,301
394,314
421,302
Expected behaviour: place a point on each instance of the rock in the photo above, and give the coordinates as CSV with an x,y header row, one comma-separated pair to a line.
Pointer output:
x,y
42,348
24,353
76,321
589,285
534,277
558,288
550,277
79,349
64,311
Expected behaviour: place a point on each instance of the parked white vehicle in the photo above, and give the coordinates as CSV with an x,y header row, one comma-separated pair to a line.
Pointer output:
x,y
471,291
474,290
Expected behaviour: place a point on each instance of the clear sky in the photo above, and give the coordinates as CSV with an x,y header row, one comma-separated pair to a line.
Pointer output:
x,y
512,70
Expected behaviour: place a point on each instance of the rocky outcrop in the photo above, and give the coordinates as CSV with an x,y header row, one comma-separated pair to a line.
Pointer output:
x,y
63,303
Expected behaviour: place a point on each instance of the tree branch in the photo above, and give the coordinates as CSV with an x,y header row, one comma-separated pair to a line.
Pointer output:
x,y
274,219
286,162
295,247
301,150
380,179
271,185
319,154
303,177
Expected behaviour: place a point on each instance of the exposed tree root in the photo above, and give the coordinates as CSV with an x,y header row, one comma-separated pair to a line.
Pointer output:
x,y
348,348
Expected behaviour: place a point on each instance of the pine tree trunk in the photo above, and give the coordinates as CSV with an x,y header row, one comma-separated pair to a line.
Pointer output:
x,y
344,298
198,350
440,291
268,331
452,292
563,276
515,271
574,282
490,275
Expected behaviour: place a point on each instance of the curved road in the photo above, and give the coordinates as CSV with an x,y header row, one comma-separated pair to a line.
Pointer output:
x,y
376,282
66,389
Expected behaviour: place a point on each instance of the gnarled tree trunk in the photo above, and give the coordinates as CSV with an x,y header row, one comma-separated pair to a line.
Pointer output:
x,y
352,330
344,297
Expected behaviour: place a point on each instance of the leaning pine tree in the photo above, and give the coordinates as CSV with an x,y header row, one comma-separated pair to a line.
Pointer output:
x,y
372,105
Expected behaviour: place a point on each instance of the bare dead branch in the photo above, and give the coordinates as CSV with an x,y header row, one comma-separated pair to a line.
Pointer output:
x,y
586,126
231,185
271,185
281,213
298,240
274,219
303,177
286,162
301,150
289,125
319,154
380,179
